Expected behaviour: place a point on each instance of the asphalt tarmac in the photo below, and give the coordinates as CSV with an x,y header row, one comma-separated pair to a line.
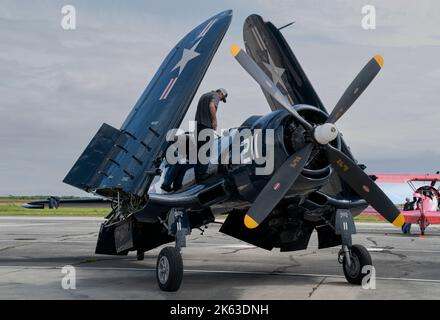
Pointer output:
x,y
33,252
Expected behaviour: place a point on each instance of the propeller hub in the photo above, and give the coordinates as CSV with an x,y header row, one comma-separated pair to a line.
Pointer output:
x,y
325,133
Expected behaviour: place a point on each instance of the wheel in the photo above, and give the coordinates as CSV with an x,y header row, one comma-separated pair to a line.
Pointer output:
x,y
140,255
169,269
360,257
423,232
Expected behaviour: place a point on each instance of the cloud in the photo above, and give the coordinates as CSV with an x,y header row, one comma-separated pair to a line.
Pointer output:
x,y
400,23
57,87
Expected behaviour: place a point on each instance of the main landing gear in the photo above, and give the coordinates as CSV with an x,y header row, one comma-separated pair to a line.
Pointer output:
x,y
169,266
352,257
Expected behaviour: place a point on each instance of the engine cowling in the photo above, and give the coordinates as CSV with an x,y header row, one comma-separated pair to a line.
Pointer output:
x,y
290,136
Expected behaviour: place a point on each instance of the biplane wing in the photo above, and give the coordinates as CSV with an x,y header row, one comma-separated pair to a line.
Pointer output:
x,y
433,217
402,178
412,216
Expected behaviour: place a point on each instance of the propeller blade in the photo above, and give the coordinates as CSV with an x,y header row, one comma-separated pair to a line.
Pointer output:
x,y
360,182
355,89
263,80
276,188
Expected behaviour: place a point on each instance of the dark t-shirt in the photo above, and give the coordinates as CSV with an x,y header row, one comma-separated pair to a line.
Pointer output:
x,y
203,115
408,206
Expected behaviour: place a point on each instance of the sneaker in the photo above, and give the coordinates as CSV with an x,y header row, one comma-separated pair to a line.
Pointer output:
x,y
202,177
166,188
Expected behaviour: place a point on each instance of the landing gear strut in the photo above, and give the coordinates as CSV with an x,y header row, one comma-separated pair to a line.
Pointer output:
x,y
169,266
169,269
352,257
423,225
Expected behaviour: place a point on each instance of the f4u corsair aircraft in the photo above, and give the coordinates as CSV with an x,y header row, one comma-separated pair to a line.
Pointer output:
x,y
316,185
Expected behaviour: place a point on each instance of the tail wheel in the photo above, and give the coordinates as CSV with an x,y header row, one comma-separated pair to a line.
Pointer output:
x,y
169,269
360,257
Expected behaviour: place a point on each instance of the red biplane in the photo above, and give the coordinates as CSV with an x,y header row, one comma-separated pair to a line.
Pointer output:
x,y
424,208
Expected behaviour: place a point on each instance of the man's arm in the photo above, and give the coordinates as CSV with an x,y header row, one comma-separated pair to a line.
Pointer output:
x,y
213,111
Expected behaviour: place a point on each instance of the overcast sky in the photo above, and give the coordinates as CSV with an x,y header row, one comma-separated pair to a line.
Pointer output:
x,y
57,87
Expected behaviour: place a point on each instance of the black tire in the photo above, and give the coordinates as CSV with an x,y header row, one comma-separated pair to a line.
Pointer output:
x,y
360,257
169,269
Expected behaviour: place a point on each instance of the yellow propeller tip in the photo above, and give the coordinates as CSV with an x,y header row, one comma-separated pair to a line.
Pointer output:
x,y
235,49
249,222
379,60
399,221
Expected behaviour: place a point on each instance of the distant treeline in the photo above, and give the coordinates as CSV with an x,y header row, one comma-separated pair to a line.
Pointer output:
x,y
36,197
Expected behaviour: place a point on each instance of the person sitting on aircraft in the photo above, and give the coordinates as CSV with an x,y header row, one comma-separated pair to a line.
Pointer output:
x,y
409,205
206,117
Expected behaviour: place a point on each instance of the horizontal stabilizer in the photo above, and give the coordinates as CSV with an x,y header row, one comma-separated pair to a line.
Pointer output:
x,y
55,203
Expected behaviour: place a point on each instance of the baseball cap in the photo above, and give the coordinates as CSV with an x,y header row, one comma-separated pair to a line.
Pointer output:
x,y
225,93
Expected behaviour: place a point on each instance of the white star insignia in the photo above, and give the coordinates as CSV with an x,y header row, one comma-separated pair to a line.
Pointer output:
x,y
187,55
276,75
275,71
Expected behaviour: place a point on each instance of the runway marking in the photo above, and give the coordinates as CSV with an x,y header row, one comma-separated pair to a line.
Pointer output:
x,y
231,246
262,273
379,233
47,241
79,240
14,225
234,246
52,218
375,249
402,250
